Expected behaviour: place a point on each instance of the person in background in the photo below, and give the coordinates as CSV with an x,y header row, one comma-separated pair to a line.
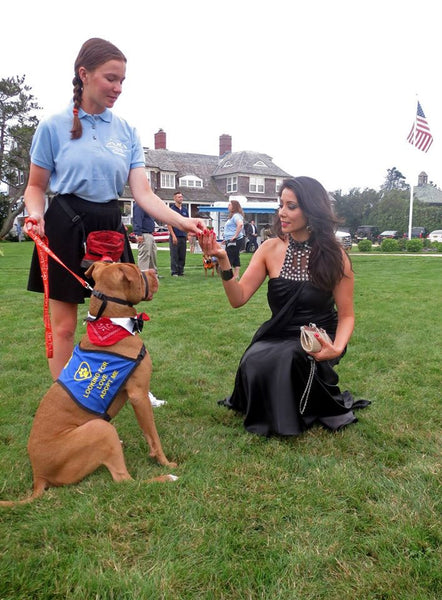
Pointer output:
x,y
254,232
234,235
178,239
19,230
85,155
192,243
143,227
279,387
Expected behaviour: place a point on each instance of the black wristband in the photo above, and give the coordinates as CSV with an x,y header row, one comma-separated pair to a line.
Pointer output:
x,y
227,275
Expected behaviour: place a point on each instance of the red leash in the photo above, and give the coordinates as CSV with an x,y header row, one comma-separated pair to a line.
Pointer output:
x,y
43,251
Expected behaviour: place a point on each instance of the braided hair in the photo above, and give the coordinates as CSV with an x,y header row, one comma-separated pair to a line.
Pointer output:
x,y
93,53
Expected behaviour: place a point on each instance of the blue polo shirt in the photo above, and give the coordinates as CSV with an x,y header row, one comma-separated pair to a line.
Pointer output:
x,y
94,167
183,211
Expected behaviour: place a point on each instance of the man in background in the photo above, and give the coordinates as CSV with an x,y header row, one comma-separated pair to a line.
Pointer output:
x,y
144,226
178,239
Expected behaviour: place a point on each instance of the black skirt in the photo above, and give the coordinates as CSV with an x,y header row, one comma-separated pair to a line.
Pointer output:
x,y
66,239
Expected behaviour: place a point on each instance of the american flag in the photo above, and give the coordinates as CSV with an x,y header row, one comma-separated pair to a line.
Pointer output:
x,y
420,135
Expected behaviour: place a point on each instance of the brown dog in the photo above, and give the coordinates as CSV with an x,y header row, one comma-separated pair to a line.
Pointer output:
x,y
67,440
210,263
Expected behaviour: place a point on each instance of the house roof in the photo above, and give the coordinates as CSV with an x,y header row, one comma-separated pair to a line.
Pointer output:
x,y
248,163
208,168
185,163
428,194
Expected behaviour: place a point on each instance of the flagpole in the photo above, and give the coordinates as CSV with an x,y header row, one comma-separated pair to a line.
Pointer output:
x,y
410,216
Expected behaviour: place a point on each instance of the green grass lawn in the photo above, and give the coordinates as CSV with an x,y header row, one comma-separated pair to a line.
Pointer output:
x,y
353,515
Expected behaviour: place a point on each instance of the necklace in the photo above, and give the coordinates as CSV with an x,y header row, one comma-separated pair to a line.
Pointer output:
x,y
296,261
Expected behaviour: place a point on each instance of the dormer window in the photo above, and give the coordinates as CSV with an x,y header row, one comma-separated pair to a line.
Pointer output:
x,y
260,163
191,181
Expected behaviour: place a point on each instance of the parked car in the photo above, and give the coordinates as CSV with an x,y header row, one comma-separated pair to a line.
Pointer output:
x,y
388,234
366,232
161,234
418,232
435,236
344,238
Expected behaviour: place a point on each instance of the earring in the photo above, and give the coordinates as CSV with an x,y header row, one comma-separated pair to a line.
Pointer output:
x,y
309,229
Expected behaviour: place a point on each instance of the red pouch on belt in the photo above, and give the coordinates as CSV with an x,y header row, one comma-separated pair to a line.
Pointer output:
x,y
103,245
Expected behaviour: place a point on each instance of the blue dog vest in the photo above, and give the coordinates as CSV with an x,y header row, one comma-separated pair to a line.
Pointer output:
x,y
94,377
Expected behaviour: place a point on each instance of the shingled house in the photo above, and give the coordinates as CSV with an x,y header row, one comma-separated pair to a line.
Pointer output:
x,y
209,181
427,193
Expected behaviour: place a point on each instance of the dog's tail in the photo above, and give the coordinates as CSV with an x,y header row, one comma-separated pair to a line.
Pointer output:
x,y
39,489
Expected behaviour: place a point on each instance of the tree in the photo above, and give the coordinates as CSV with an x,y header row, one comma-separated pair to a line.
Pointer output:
x,y
354,207
392,211
394,181
17,126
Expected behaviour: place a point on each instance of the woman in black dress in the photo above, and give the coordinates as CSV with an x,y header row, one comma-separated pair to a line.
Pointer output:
x,y
310,281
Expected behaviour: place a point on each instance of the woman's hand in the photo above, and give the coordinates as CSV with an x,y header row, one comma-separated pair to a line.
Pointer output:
x,y
209,245
327,351
192,225
35,223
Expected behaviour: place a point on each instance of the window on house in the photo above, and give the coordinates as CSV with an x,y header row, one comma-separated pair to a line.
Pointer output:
x,y
232,184
278,182
256,184
168,180
260,163
191,181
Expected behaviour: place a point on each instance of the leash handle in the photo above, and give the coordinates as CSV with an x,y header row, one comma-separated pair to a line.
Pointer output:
x,y
43,251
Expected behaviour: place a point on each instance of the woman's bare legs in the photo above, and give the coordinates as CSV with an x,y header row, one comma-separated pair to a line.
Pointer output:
x,y
64,323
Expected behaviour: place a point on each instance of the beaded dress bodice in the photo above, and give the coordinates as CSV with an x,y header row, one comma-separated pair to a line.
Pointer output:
x,y
295,267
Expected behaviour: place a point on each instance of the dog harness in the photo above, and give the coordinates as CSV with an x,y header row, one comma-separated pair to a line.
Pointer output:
x,y
94,377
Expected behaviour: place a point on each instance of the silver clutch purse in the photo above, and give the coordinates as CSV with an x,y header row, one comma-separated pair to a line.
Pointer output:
x,y
308,340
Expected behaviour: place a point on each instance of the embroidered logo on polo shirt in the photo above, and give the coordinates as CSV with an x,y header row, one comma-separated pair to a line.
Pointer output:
x,y
117,147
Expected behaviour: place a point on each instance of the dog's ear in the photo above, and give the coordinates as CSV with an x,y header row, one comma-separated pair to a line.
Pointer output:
x,y
136,283
91,269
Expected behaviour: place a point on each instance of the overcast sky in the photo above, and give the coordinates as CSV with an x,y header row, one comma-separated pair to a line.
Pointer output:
x,y
327,88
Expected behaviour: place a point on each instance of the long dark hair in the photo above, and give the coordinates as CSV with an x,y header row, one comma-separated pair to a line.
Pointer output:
x,y
93,53
326,264
236,208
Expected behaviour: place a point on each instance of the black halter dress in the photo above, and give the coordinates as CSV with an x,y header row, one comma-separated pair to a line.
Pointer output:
x,y
274,371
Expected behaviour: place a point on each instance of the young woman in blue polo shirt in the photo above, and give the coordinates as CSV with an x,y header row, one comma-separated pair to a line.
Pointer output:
x,y
85,156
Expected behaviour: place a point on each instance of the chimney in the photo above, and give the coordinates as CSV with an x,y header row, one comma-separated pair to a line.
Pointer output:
x,y
160,140
225,144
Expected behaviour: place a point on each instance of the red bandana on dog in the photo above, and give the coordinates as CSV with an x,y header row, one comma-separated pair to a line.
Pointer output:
x,y
105,331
